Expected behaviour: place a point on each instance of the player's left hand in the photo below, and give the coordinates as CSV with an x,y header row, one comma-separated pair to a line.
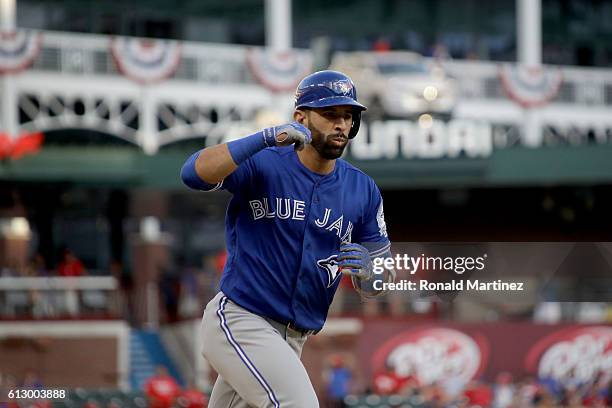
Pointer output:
x,y
292,133
355,260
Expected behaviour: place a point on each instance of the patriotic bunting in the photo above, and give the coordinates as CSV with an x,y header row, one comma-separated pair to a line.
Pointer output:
x,y
145,60
530,86
279,71
18,50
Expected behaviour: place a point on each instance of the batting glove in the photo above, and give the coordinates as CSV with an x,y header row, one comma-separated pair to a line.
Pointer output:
x,y
354,260
292,133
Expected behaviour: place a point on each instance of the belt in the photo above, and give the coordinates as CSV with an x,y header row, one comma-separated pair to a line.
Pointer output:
x,y
291,326
304,332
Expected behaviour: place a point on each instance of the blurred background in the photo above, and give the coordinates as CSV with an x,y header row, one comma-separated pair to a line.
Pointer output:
x,y
487,122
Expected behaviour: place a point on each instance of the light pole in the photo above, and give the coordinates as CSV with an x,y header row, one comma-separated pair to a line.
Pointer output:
x,y
529,54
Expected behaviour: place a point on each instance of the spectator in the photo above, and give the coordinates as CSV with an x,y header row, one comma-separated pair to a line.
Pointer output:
x,y
36,267
8,272
338,378
381,45
593,399
440,52
220,260
43,301
528,393
478,394
161,389
604,387
192,398
189,303
70,265
434,395
503,391
390,382
552,386
453,386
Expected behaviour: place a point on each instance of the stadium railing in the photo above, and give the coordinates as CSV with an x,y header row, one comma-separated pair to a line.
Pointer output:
x,y
41,297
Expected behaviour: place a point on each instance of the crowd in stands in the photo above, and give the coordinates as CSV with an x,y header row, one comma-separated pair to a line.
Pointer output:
x,y
163,391
504,392
29,381
45,300
69,265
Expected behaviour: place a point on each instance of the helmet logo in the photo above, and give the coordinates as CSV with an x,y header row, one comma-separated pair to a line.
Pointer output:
x,y
298,95
342,86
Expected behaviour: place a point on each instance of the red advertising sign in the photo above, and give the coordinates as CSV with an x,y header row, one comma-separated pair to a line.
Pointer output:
x,y
433,354
576,354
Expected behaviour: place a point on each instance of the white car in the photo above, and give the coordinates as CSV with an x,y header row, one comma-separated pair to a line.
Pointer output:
x,y
398,84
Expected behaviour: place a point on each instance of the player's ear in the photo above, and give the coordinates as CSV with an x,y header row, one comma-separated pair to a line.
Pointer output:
x,y
300,117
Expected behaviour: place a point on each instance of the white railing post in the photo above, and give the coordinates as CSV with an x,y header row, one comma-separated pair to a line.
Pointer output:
x,y
147,134
529,53
278,24
9,113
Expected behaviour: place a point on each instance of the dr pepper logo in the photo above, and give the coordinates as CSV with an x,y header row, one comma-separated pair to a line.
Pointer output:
x,y
433,354
579,353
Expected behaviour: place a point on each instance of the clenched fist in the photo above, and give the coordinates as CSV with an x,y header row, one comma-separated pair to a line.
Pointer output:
x,y
284,135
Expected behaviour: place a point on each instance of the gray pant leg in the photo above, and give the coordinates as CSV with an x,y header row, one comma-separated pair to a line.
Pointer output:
x,y
254,359
223,395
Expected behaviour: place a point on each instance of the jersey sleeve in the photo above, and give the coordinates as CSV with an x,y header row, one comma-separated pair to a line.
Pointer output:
x,y
241,179
373,231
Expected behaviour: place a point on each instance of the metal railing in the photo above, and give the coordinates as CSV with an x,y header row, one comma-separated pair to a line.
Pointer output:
x,y
89,54
48,297
219,64
581,86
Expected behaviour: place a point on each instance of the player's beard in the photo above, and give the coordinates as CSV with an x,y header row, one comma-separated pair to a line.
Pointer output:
x,y
324,146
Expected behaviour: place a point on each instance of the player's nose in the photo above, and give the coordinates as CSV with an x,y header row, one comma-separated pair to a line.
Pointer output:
x,y
342,125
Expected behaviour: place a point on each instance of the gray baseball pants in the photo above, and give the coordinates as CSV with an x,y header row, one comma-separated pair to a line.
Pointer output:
x,y
258,360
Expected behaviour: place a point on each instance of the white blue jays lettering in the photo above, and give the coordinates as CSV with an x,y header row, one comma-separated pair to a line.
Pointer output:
x,y
287,208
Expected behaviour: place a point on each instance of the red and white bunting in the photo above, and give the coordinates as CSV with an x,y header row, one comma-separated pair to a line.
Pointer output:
x,y
279,71
145,60
18,50
530,86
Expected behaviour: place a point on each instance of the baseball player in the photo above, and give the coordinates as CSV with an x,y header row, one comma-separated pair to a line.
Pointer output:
x,y
300,217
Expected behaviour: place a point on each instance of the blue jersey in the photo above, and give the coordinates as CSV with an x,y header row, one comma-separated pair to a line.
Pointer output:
x,y
284,227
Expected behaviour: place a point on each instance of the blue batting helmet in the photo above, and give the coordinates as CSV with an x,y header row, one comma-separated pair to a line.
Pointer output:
x,y
329,88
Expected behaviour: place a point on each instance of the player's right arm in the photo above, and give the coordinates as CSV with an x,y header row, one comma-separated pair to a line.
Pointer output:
x,y
214,163
206,169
